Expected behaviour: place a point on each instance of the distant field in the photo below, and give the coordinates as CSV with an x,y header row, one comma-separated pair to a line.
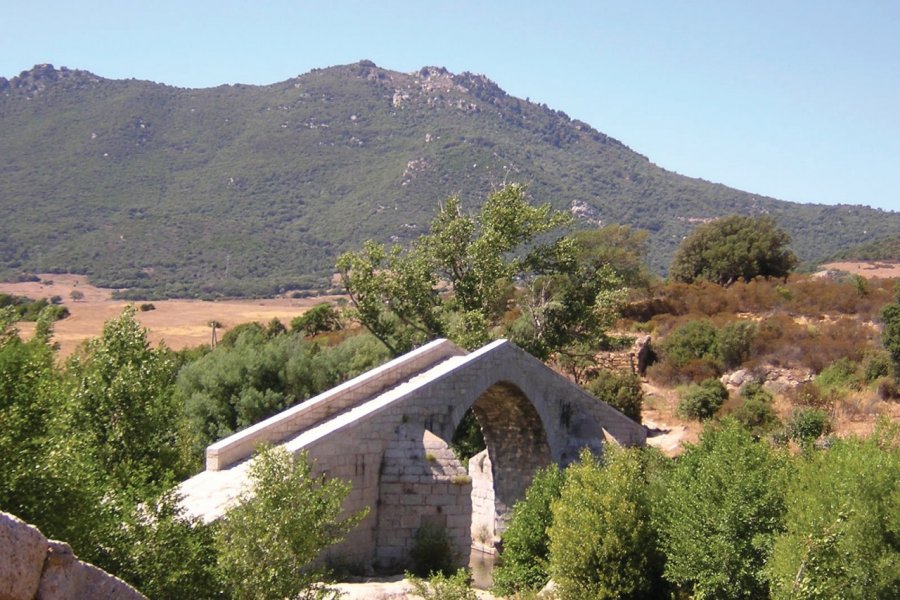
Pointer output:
x,y
882,269
180,323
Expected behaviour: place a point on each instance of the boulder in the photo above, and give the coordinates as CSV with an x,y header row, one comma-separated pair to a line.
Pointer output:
x,y
22,552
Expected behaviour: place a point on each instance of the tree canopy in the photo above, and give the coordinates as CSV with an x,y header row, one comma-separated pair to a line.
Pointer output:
x,y
732,248
457,281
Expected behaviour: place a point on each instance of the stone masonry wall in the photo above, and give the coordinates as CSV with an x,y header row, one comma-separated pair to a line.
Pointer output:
x,y
483,532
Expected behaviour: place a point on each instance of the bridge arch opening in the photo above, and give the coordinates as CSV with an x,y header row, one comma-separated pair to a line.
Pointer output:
x,y
516,447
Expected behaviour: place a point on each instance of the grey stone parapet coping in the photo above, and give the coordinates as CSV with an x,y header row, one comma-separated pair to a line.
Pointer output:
x,y
278,428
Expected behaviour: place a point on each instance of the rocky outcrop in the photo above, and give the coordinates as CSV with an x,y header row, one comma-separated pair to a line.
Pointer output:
x,y
35,568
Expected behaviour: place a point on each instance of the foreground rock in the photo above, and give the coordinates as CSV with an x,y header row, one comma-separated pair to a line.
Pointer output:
x,y
35,568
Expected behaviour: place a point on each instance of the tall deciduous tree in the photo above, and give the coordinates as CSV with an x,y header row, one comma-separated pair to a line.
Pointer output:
x,y
732,248
122,409
565,305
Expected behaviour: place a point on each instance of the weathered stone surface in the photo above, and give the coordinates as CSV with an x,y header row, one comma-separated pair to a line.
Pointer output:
x,y
34,568
22,552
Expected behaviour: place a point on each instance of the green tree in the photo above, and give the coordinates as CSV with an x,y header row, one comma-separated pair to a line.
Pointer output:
x,y
842,523
526,545
622,248
890,334
722,506
602,541
320,318
268,541
395,293
565,306
121,409
732,248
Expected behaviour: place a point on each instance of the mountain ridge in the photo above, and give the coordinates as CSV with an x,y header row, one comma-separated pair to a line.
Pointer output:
x,y
243,189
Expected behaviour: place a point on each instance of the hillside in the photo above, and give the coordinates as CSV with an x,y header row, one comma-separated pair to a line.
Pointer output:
x,y
240,189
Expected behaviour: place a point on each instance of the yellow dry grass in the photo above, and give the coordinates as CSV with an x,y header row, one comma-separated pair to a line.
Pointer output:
x,y
179,323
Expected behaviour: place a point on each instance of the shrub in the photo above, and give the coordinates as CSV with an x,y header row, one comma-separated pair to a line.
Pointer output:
x,y
321,318
875,366
888,389
721,506
734,341
602,542
809,394
622,391
808,424
838,376
443,587
695,340
525,541
432,551
756,412
268,542
702,401
841,523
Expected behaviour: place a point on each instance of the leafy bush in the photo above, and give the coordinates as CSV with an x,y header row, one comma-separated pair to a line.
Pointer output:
x,y
267,544
756,412
720,508
875,366
443,587
808,424
695,340
320,318
602,541
702,401
841,524
838,377
732,248
432,551
622,391
734,342
888,389
890,335
523,564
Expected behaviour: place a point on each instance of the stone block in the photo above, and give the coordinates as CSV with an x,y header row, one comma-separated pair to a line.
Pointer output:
x,y
22,552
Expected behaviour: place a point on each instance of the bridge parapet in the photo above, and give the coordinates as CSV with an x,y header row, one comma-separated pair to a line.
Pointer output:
x,y
288,423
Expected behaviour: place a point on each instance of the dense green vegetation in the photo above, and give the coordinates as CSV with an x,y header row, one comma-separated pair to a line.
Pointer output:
x,y
93,448
884,249
27,309
284,525
733,248
733,517
242,190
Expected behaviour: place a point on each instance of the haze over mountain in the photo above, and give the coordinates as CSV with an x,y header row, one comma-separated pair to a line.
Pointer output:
x,y
250,189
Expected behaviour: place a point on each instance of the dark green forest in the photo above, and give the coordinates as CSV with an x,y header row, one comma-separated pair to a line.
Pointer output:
x,y
245,190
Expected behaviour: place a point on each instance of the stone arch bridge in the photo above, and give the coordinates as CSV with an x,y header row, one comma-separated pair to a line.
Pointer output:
x,y
387,432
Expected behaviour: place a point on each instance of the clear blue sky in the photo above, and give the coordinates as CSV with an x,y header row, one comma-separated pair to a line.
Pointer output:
x,y
796,99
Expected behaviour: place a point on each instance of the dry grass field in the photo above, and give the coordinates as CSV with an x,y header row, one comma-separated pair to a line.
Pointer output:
x,y
179,323
869,270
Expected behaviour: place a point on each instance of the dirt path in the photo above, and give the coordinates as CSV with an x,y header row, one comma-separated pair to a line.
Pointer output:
x,y
180,323
665,430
